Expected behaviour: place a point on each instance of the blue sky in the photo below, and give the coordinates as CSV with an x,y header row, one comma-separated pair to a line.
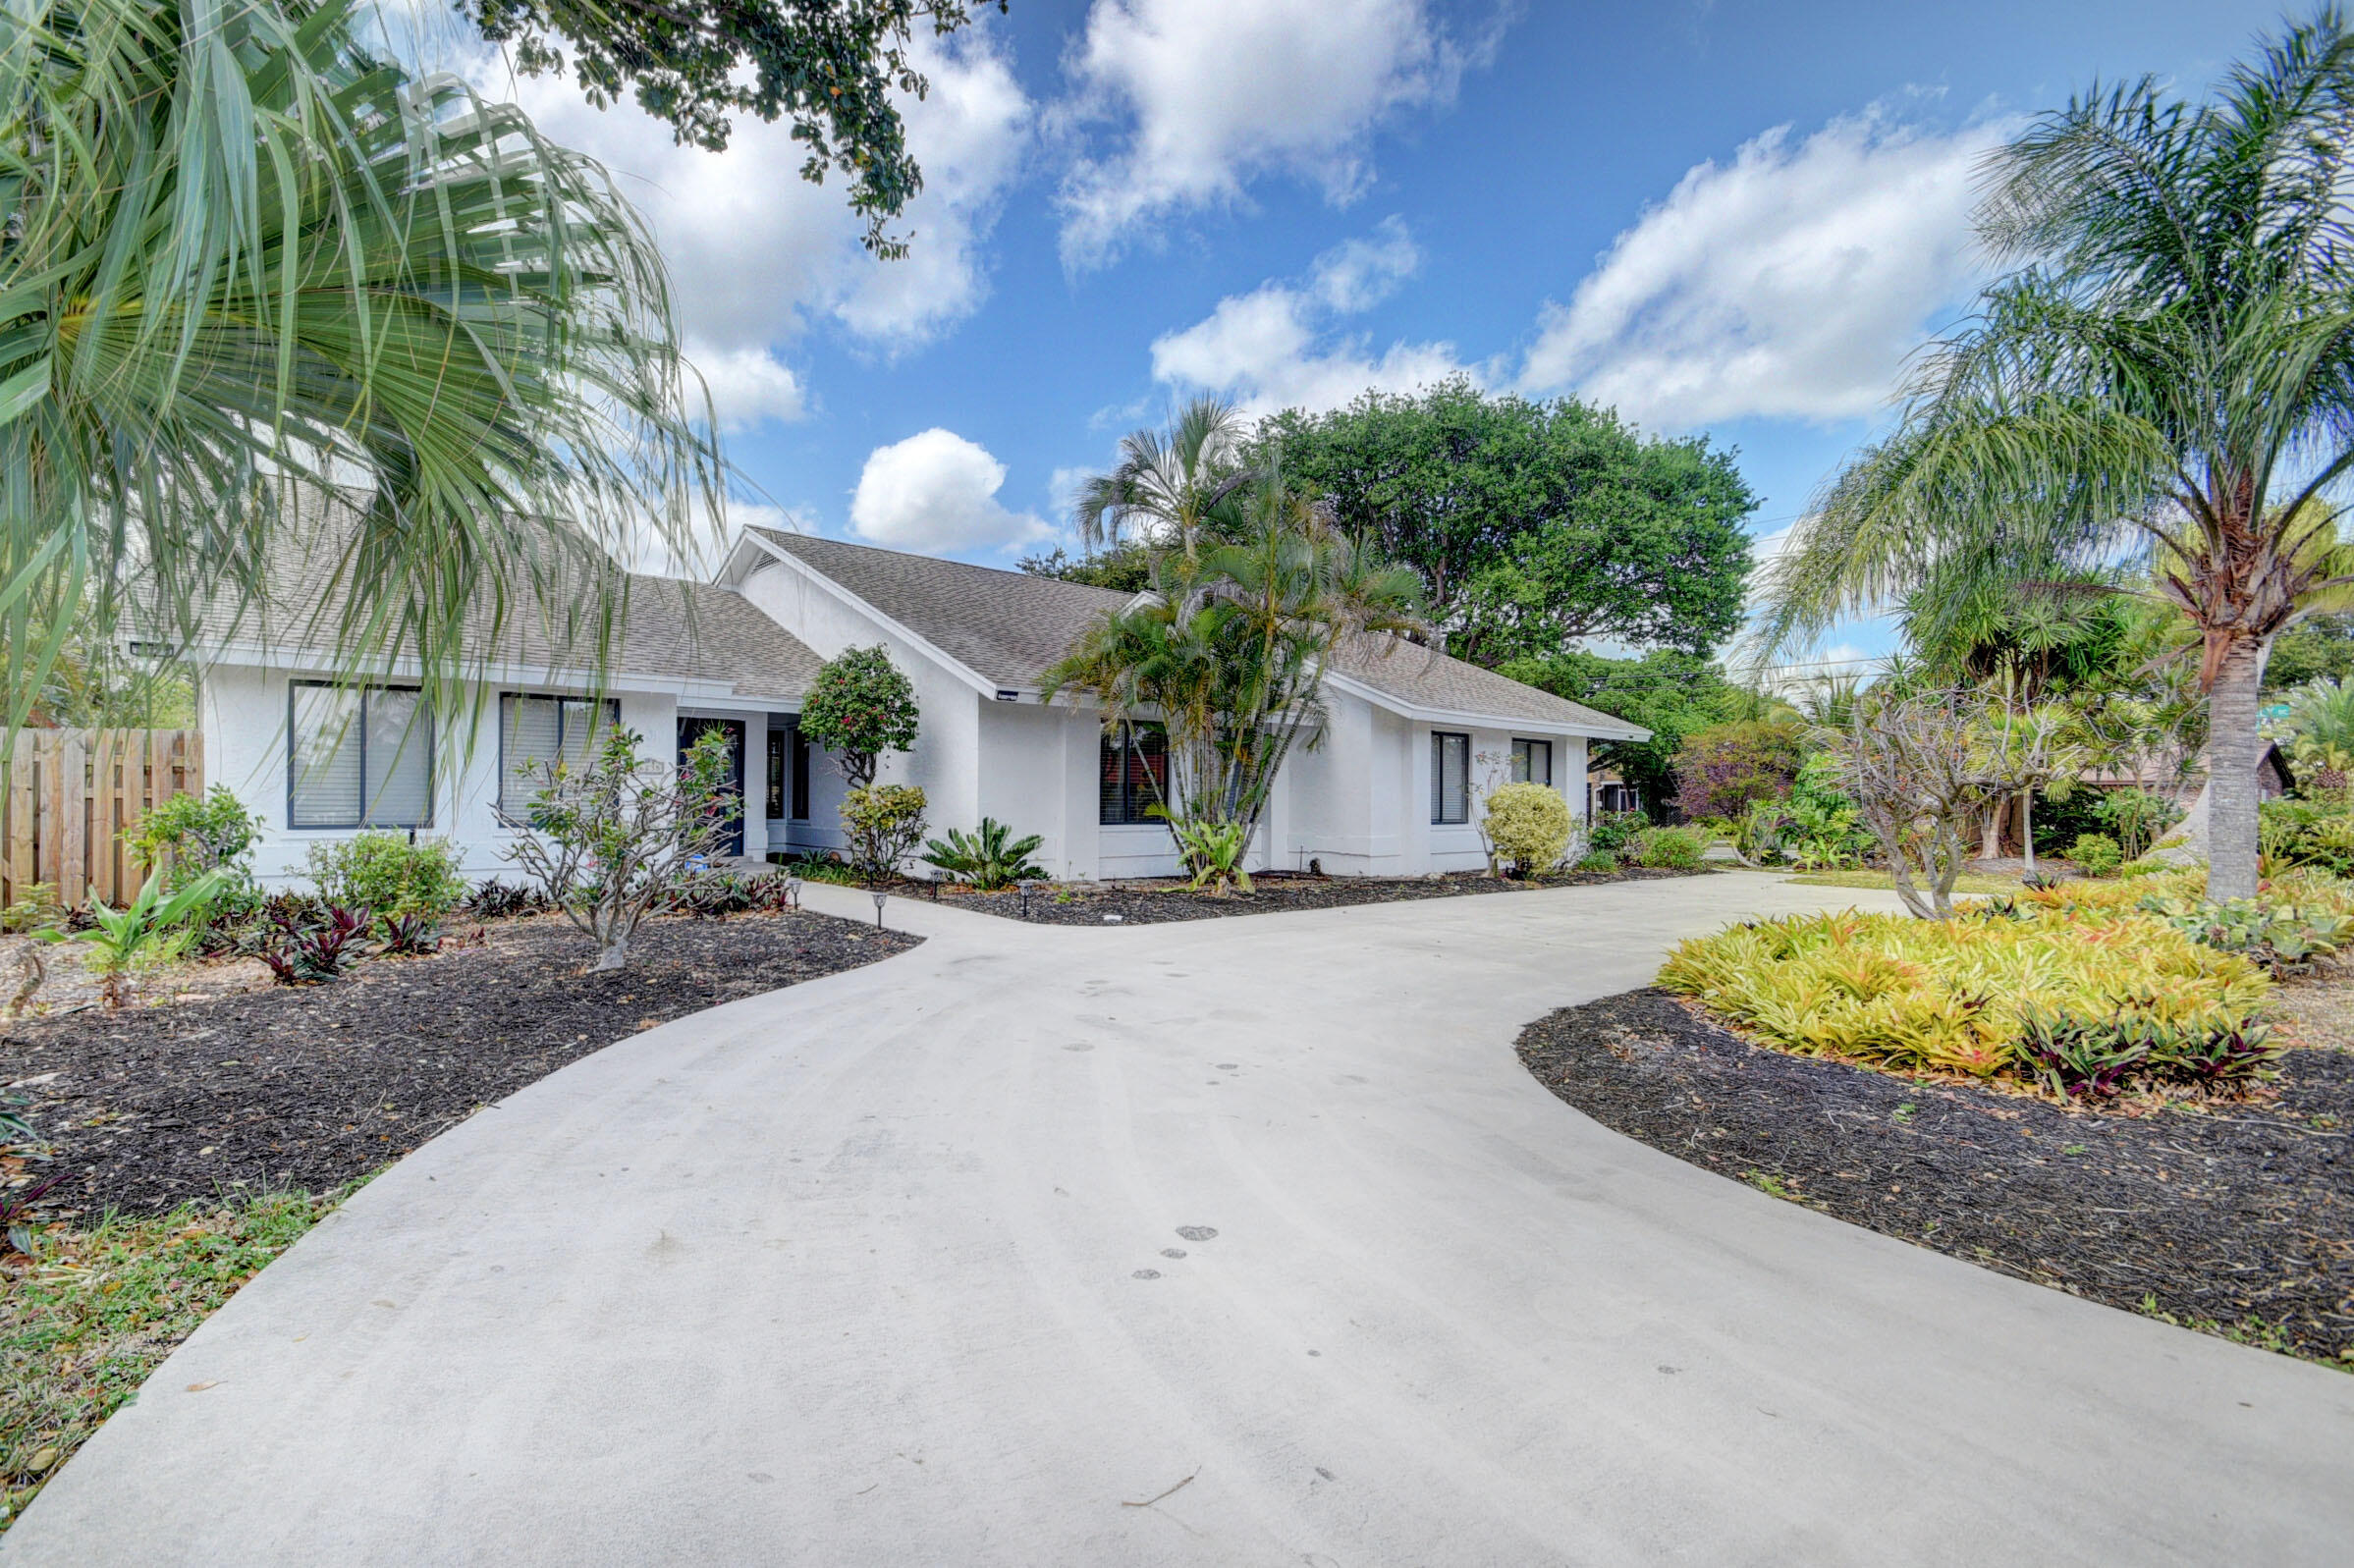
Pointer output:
x,y
1732,218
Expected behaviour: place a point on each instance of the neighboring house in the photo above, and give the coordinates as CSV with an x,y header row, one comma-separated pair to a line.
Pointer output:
x,y
1411,737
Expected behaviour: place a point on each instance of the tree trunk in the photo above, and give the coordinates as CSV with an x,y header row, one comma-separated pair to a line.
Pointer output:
x,y
614,954
2027,826
1990,838
2232,749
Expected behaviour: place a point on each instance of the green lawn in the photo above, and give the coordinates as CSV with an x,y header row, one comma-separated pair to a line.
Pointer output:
x,y
91,1313
1970,881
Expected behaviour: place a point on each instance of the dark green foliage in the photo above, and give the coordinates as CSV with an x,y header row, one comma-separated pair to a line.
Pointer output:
x,y
829,66
199,832
1617,833
2061,820
858,706
386,873
1672,848
989,858
823,868
2319,649
1533,523
2135,817
1126,565
1668,693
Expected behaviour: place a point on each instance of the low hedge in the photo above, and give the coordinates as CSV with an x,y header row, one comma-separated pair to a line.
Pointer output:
x,y
2077,1001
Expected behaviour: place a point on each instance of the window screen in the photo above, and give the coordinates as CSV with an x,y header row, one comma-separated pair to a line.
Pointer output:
x,y
1450,777
536,732
1134,773
1532,762
358,757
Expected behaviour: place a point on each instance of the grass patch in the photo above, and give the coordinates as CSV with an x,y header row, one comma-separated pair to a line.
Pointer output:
x,y
1969,881
86,1321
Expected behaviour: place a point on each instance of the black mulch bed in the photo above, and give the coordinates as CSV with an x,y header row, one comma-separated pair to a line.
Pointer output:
x,y
2235,1216
314,1086
1149,902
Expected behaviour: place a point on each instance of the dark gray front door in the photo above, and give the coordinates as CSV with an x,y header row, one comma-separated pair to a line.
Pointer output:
x,y
691,730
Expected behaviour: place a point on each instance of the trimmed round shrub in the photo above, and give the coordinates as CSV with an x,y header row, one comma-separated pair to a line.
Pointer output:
x,y
2096,854
1672,848
1529,826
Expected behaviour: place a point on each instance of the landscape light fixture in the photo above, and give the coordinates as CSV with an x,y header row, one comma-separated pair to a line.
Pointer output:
x,y
1025,885
792,892
938,876
879,898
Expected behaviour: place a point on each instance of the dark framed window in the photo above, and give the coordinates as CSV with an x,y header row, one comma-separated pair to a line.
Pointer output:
x,y
1450,777
780,751
1532,762
801,774
535,731
357,756
1134,773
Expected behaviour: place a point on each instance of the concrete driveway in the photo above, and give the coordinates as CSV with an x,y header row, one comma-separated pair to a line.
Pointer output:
x,y
1239,1242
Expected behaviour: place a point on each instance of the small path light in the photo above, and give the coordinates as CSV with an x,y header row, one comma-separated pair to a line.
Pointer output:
x,y
1025,885
938,876
792,892
880,895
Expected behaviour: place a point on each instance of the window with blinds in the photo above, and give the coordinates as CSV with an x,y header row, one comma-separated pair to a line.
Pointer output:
x,y
358,757
1450,778
536,733
1134,775
1532,762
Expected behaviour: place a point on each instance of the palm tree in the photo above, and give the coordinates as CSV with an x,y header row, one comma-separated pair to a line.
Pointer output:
x,y
2168,383
1229,648
1167,484
244,259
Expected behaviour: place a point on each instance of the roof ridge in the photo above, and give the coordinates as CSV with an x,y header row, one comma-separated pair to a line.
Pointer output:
x,y
784,534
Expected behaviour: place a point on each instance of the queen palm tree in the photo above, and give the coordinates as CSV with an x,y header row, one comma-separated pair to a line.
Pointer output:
x,y
1167,483
2166,385
243,259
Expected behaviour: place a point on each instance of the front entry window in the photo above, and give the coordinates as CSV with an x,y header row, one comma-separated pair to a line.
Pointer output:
x,y
1134,773
1450,777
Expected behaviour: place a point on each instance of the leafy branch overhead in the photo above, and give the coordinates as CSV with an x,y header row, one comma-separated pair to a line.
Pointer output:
x,y
832,67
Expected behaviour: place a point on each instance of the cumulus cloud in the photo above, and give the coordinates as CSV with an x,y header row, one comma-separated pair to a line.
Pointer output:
x,y
1281,346
937,492
757,253
1202,96
1790,282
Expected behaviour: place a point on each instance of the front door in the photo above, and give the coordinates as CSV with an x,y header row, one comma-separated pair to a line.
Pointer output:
x,y
691,730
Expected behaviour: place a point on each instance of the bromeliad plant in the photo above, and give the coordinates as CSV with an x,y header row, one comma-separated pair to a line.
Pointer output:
x,y
989,858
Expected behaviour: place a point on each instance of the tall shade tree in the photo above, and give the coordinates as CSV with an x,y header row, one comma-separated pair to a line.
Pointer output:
x,y
1533,524
832,67
2169,380
1168,484
243,261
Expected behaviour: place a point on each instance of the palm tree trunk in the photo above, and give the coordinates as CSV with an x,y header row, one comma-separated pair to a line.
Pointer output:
x,y
2232,749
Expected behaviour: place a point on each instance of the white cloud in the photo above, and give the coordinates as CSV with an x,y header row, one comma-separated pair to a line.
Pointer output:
x,y
937,492
1278,346
1206,96
757,253
1788,283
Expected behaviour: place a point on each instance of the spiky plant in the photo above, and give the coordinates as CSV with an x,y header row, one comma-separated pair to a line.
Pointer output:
x,y
241,259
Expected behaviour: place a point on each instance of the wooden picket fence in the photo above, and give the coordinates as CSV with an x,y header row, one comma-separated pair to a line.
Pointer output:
x,y
74,793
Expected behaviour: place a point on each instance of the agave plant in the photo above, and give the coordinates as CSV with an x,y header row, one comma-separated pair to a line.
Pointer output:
x,y
244,258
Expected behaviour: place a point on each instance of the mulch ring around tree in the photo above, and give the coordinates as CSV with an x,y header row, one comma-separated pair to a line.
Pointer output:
x,y
313,1086
1151,902
2232,1217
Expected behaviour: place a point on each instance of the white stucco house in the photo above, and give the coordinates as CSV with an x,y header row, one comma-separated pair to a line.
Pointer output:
x,y
1411,740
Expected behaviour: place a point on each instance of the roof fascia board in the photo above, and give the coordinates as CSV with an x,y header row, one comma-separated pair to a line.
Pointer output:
x,y
319,661
924,645
1483,720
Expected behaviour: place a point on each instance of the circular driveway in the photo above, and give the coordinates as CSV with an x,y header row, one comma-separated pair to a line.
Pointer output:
x,y
1238,1242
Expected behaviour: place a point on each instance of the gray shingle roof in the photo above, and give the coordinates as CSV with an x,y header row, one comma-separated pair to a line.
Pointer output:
x,y
674,628
1008,627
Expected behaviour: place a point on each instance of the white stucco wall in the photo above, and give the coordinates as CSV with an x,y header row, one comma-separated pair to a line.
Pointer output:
x,y
243,709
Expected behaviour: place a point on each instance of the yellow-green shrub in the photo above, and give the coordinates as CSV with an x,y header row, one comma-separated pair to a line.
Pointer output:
x,y
1949,994
1529,826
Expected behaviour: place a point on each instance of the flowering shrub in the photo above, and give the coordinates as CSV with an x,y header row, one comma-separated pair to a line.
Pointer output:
x,y
1725,769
